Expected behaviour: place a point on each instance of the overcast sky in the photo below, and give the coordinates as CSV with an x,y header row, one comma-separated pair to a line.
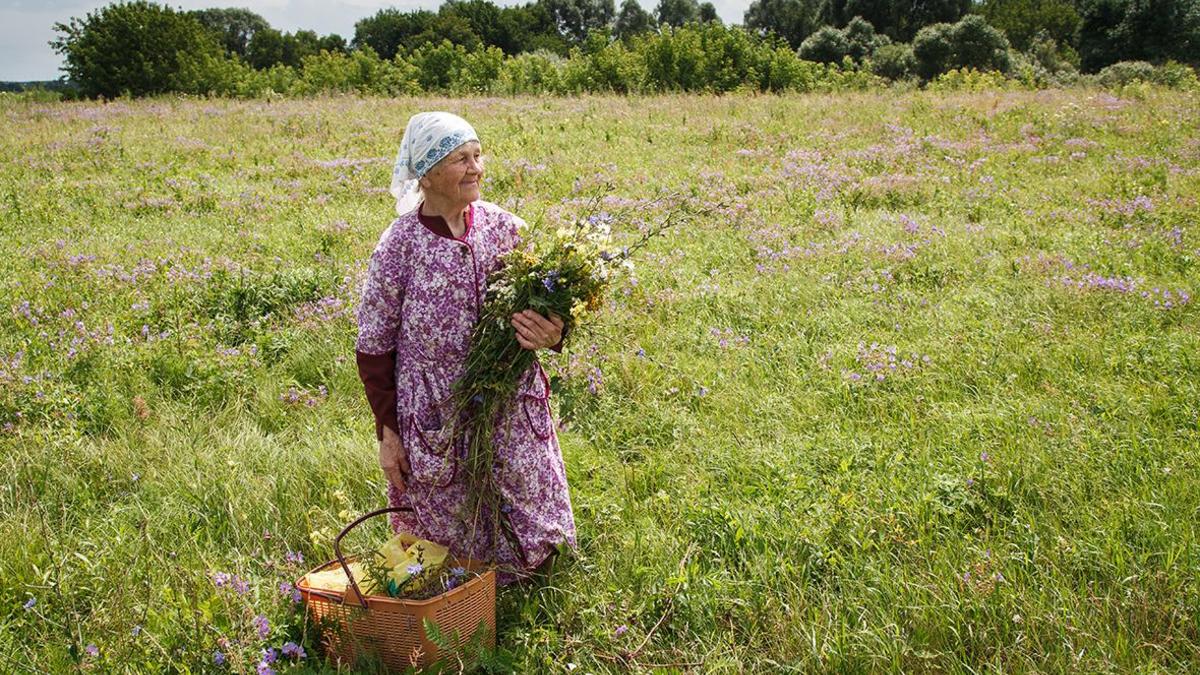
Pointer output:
x,y
26,28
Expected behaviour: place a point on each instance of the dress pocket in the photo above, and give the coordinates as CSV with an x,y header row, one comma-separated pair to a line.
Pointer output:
x,y
535,404
429,455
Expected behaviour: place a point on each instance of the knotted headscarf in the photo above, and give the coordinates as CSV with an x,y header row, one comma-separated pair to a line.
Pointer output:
x,y
428,138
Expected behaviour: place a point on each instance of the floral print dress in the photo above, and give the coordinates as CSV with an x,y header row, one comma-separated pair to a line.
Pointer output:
x,y
421,300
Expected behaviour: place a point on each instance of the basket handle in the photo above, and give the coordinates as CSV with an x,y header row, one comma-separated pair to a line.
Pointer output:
x,y
337,546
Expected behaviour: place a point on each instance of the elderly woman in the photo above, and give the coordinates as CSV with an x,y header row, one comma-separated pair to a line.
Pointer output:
x,y
424,289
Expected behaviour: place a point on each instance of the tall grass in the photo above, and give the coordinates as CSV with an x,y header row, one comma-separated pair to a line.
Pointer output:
x,y
922,397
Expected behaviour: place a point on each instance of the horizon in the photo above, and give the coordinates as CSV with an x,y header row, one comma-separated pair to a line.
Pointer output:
x,y
28,27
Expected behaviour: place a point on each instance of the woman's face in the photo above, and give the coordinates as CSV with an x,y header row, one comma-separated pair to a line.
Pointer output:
x,y
457,176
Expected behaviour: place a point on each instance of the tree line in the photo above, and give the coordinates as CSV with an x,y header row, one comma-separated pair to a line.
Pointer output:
x,y
143,48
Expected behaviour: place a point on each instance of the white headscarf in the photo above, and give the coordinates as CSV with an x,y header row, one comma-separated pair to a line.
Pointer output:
x,y
428,138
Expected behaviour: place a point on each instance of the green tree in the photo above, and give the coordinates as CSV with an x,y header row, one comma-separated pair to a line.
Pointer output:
x,y
484,19
390,30
708,13
677,12
131,47
827,45
576,18
901,19
1021,20
969,43
862,38
632,20
1127,30
792,20
233,26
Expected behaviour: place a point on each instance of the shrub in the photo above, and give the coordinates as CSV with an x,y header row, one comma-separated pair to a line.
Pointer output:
x,y
827,45
136,48
537,72
1171,74
979,45
970,43
480,72
1124,72
438,66
894,61
969,79
933,50
863,39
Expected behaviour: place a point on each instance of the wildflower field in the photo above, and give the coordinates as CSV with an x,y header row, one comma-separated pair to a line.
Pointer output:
x,y
918,392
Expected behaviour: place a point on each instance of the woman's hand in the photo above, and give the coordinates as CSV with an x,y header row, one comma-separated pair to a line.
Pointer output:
x,y
393,459
535,331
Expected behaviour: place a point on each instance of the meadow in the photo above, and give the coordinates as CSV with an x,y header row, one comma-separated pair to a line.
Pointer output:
x,y
919,393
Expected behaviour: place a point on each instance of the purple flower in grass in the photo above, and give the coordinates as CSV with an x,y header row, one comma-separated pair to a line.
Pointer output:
x,y
620,630
92,651
218,658
261,625
415,569
293,651
29,604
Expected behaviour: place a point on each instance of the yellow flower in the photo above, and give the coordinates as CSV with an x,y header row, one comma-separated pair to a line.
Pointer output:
x,y
578,309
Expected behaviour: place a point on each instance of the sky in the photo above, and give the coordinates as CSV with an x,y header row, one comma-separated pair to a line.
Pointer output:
x,y
26,27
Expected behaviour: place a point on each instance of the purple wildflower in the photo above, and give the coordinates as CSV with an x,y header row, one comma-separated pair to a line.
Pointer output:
x,y
270,655
92,651
218,658
293,651
30,603
416,568
264,668
620,630
262,626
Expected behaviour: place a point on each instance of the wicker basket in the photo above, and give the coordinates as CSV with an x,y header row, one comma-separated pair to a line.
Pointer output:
x,y
391,630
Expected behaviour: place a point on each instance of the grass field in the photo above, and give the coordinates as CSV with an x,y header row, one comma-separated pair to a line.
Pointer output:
x,y
921,394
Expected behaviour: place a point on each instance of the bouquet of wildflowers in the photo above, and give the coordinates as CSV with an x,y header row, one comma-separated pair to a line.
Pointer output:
x,y
567,274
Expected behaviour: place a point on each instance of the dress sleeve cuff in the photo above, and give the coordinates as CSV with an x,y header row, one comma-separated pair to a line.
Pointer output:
x,y
378,375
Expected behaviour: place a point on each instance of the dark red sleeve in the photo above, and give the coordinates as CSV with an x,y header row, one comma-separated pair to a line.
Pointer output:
x,y
378,375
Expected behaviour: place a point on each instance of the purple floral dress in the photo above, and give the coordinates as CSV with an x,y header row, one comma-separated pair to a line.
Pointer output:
x,y
422,298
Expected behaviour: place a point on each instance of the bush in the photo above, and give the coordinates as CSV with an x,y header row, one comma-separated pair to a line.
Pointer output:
x,y
1171,74
1047,53
933,50
360,71
979,45
781,69
969,79
537,72
894,61
827,45
1124,72
135,48
480,72
438,66
863,39
970,43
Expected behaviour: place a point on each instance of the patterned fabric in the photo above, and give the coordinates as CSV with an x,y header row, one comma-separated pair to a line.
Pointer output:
x,y
428,138
422,298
